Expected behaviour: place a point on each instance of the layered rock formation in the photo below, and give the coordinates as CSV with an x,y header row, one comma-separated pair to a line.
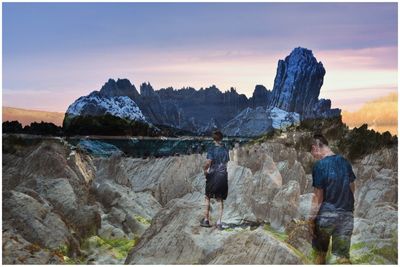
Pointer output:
x,y
297,86
49,207
84,206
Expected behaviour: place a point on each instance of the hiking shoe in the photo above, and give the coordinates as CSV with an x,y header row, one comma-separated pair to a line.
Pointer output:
x,y
219,225
205,223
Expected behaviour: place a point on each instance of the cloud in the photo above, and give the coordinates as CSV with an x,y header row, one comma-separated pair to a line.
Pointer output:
x,y
372,58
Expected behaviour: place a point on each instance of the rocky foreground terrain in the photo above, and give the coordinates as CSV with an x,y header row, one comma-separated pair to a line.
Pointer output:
x,y
62,205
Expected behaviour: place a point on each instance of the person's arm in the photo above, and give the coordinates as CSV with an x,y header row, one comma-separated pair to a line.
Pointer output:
x,y
318,194
352,187
352,177
317,199
207,166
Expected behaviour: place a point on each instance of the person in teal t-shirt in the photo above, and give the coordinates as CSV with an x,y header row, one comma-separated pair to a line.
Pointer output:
x,y
333,202
216,174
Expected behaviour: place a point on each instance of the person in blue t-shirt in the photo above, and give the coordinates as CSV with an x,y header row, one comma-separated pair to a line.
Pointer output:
x,y
333,202
216,177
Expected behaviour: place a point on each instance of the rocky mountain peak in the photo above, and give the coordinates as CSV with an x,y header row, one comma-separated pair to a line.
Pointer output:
x,y
214,89
260,89
233,91
146,89
297,84
261,96
300,54
121,87
124,83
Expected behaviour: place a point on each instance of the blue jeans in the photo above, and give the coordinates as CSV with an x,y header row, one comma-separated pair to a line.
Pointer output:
x,y
340,226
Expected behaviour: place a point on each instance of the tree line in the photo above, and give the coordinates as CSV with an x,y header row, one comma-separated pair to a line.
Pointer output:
x,y
41,128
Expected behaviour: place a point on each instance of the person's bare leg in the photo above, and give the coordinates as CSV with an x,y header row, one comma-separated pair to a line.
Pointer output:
x,y
320,258
207,211
221,210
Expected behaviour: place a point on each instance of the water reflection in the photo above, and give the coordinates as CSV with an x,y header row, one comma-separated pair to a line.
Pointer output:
x,y
149,147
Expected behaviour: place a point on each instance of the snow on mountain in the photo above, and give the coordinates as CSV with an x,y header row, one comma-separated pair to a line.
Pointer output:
x,y
95,104
254,122
282,119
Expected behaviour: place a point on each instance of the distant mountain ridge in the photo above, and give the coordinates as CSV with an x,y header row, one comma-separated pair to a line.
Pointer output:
x,y
296,90
198,111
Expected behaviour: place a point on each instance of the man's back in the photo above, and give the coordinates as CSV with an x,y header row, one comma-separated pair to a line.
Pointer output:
x,y
334,174
218,154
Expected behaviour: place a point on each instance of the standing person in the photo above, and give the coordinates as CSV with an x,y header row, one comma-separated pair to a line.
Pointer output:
x,y
216,178
332,203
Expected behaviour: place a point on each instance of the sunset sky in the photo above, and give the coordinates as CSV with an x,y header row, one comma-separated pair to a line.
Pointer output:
x,y
54,53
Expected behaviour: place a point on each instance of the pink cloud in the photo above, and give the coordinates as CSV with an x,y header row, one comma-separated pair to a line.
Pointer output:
x,y
367,58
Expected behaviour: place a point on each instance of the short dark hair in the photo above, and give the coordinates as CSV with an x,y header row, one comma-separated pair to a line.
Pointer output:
x,y
319,140
217,135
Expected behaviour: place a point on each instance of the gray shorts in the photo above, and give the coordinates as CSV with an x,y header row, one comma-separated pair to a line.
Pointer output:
x,y
339,225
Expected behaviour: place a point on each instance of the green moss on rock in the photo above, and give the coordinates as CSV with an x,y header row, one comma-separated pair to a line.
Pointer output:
x,y
280,236
118,248
142,220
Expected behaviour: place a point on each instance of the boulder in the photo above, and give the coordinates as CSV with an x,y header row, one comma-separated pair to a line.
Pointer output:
x,y
382,188
266,183
284,206
35,221
17,250
256,247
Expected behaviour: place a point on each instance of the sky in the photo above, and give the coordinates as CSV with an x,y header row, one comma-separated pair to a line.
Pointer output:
x,y
54,53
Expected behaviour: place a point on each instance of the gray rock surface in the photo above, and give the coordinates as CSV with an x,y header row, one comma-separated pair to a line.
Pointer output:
x,y
160,176
256,247
169,241
282,212
17,250
49,207
34,220
160,201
